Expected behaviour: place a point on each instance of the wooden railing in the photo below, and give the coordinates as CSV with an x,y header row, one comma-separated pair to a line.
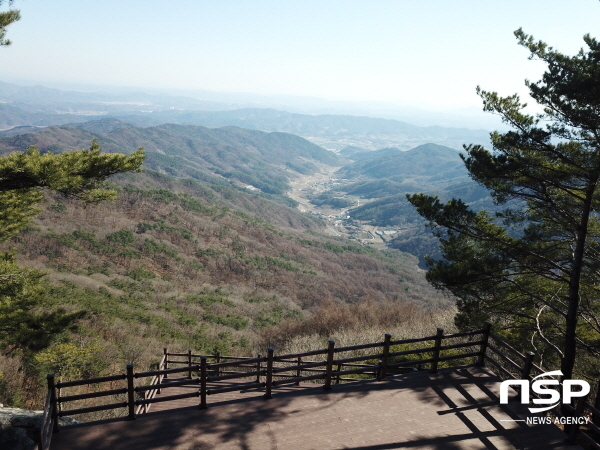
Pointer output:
x,y
331,365
156,381
509,363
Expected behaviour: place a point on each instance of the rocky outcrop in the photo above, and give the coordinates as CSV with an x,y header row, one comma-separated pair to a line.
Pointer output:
x,y
20,428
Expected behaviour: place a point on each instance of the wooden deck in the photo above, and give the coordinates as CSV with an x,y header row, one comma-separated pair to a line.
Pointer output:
x,y
453,409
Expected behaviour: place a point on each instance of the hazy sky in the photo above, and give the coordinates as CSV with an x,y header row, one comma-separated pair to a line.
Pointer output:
x,y
414,52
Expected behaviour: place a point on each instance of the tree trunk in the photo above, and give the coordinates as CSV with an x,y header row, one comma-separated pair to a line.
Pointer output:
x,y
570,345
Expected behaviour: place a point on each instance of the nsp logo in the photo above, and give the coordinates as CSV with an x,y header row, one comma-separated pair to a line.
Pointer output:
x,y
554,396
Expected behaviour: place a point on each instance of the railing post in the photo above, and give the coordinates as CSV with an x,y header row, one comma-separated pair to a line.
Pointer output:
x,y
53,402
436,351
203,377
338,378
130,392
483,349
190,363
385,357
166,361
269,383
258,365
329,367
298,370
527,366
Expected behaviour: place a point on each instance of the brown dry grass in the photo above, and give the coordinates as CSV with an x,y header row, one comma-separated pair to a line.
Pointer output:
x,y
356,324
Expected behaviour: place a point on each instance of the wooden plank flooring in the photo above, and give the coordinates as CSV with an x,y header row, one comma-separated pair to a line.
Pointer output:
x,y
454,409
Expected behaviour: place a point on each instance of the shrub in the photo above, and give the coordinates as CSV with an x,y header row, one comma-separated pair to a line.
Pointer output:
x,y
151,247
206,299
71,362
140,274
122,237
229,320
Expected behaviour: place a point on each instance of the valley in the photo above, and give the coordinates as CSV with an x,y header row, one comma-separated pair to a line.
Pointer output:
x,y
364,200
338,220
231,239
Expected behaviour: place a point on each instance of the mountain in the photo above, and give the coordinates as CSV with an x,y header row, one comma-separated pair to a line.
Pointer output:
x,y
429,168
351,150
86,101
430,160
334,130
41,106
377,182
249,157
378,188
12,117
357,154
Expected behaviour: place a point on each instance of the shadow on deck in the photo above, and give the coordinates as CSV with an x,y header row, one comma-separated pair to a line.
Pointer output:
x,y
454,409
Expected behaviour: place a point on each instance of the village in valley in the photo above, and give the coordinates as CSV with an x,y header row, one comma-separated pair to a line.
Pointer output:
x,y
339,221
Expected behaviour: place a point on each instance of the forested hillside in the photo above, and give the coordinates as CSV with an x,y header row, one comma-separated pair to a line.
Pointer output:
x,y
436,162
262,160
193,262
388,175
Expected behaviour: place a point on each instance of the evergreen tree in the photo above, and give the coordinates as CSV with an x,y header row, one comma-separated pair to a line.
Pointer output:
x,y
534,266
25,322
78,174
6,18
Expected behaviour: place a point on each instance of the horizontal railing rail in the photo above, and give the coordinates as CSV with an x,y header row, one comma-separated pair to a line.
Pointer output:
x,y
98,380
300,355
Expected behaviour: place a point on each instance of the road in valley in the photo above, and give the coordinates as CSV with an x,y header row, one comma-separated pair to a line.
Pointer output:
x,y
306,186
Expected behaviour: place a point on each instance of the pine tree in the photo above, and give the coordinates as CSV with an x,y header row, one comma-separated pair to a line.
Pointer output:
x,y
533,267
6,18
25,322
78,174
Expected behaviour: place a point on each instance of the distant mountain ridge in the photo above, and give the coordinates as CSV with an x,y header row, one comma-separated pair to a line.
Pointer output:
x,y
323,124
263,160
12,117
430,168
327,127
41,106
358,154
424,160
50,97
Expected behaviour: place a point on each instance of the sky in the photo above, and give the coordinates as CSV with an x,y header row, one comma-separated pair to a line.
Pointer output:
x,y
426,53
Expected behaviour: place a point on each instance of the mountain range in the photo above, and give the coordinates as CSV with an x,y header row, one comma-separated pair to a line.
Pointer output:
x,y
250,157
39,106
